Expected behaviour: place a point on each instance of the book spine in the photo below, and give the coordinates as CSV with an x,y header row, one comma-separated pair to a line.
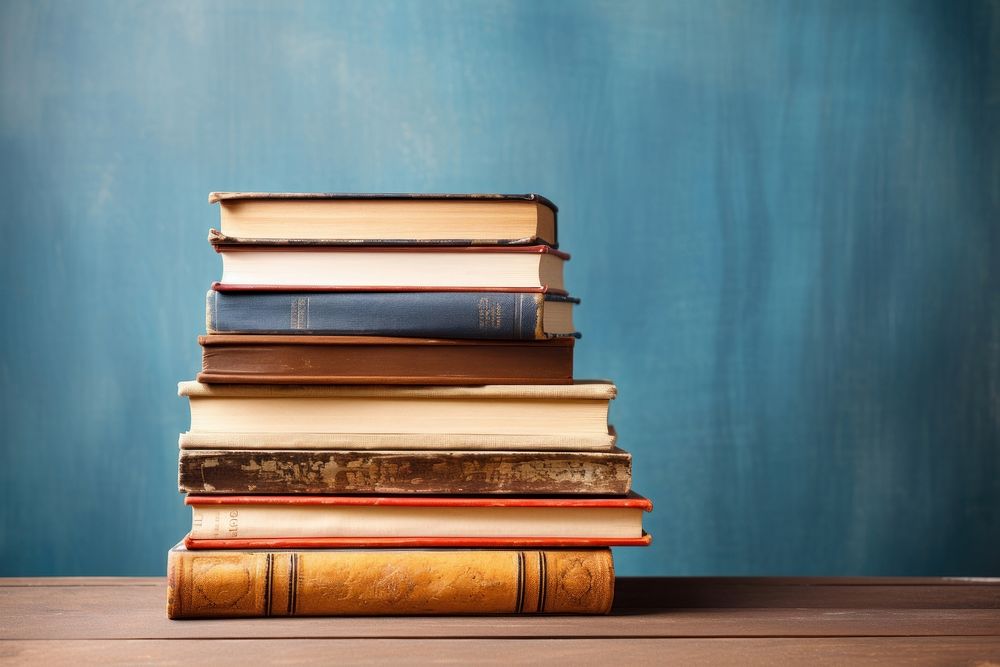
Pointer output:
x,y
485,315
400,472
234,584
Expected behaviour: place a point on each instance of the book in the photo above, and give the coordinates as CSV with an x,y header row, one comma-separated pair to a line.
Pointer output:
x,y
402,472
266,522
493,315
395,441
266,359
341,582
395,268
303,218
565,411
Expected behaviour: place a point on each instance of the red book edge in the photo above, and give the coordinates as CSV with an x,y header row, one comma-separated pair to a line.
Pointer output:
x,y
231,287
402,542
632,500
503,249
207,340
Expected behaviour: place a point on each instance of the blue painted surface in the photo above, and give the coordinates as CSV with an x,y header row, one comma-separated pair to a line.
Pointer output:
x,y
784,220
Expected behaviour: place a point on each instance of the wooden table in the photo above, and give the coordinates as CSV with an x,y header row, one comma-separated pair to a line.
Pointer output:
x,y
679,620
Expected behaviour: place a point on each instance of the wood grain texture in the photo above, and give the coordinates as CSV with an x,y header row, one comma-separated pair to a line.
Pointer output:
x,y
782,215
385,472
483,651
122,608
122,621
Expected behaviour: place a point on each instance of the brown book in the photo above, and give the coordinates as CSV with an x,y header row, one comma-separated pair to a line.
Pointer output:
x,y
375,360
341,582
403,472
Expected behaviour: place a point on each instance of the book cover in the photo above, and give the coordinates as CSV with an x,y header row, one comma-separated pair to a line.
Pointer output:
x,y
574,442
462,219
491,315
267,359
402,472
266,522
392,268
234,584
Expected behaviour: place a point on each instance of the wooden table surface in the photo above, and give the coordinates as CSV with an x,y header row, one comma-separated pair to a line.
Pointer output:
x,y
680,620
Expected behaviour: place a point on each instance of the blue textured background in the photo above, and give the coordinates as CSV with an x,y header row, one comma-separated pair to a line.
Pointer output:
x,y
784,220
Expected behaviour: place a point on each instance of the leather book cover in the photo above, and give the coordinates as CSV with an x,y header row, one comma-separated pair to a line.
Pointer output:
x,y
266,359
478,315
240,584
404,472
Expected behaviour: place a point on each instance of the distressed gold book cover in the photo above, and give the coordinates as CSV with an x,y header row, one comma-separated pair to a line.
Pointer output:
x,y
232,584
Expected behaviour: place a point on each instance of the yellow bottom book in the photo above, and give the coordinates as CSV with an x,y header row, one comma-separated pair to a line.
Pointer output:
x,y
388,582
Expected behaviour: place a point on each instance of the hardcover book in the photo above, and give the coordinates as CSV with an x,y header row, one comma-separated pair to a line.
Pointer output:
x,y
563,411
265,359
395,268
400,472
444,219
494,315
266,522
342,582
397,441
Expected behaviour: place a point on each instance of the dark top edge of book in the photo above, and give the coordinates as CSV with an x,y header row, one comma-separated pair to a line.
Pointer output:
x,y
229,339
632,500
241,287
216,197
260,245
218,239
547,296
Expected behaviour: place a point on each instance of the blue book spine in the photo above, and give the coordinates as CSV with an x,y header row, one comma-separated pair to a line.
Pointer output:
x,y
492,315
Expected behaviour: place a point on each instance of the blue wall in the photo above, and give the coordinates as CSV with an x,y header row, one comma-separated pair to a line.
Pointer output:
x,y
784,220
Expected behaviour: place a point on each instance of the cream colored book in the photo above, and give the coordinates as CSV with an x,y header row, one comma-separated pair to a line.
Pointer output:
x,y
563,411
398,441
608,519
397,267
415,218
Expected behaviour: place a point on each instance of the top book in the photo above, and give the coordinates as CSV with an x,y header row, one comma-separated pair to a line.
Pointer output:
x,y
297,218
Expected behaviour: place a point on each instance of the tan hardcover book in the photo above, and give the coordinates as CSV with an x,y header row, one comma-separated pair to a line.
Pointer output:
x,y
312,218
340,582
261,521
398,441
564,410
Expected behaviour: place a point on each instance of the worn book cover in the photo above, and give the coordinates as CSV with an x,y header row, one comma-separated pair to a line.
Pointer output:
x,y
402,472
341,582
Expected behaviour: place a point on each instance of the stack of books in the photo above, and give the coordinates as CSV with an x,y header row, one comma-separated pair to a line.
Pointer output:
x,y
386,420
